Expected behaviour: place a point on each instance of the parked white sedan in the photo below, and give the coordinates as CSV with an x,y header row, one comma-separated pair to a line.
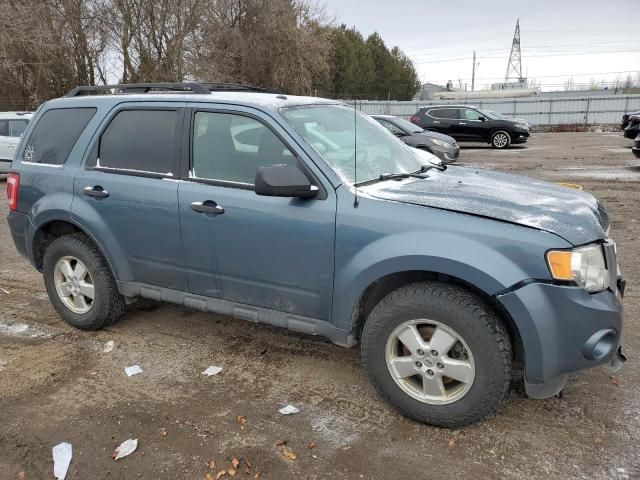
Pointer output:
x,y
12,125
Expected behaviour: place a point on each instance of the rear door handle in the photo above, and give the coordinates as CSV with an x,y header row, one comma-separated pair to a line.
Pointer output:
x,y
95,191
208,206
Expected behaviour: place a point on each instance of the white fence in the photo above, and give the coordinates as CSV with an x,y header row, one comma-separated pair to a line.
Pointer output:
x,y
596,110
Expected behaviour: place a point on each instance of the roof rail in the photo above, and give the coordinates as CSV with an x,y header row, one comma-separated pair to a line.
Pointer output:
x,y
193,87
140,88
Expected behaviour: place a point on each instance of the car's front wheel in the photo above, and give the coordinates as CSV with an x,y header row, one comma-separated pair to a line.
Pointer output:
x,y
500,139
80,284
438,354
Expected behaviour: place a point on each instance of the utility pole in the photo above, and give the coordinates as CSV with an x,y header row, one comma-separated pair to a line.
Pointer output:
x,y
473,71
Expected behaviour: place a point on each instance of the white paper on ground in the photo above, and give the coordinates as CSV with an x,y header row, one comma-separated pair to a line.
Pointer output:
x,y
133,370
108,346
288,410
126,448
212,371
61,459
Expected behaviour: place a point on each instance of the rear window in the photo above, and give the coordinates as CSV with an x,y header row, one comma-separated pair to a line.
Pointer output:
x,y
140,141
55,134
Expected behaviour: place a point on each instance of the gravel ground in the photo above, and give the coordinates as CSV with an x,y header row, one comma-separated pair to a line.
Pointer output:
x,y
57,384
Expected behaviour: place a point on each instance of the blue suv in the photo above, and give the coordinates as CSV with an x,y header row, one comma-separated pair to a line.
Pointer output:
x,y
302,213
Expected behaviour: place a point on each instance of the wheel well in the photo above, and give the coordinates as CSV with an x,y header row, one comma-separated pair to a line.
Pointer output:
x,y
496,130
47,234
385,285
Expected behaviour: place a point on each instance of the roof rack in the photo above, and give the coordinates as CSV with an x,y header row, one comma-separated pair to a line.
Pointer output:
x,y
179,87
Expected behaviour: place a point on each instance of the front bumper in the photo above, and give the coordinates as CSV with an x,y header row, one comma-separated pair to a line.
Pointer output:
x,y
448,154
520,137
632,131
564,329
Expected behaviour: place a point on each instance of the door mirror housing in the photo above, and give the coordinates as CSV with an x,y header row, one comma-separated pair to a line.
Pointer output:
x,y
284,181
482,118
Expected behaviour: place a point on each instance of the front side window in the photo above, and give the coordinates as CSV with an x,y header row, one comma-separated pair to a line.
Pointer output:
x,y
472,114
140,141
231,148
344,138
55,134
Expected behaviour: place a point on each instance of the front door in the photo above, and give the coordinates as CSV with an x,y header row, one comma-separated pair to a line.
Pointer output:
x,y
269,252
471,126
125,194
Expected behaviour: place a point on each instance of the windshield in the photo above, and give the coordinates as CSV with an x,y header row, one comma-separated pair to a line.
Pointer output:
x,y
494,115
406,125
334,132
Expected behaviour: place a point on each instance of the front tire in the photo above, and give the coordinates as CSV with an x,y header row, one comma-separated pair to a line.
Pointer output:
x,y
438,354
80,284
500,139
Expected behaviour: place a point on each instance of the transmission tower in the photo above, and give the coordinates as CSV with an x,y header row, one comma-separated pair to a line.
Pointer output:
x,y
514,67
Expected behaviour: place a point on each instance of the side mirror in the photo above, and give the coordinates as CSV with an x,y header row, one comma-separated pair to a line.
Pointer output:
x,y
284,181
400,134
482,119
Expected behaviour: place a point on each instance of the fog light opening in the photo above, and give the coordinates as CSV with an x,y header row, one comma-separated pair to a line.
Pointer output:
x,y
600,345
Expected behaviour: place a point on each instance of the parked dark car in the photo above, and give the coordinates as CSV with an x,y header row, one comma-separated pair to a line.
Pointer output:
x,y
625,119
636,147
450,279
442,146
633,127
470,124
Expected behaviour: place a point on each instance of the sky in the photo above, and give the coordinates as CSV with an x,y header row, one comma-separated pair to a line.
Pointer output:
x,y
560,39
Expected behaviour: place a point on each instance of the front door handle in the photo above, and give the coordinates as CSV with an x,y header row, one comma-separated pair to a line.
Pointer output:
x,y
96,191
208,206
462,123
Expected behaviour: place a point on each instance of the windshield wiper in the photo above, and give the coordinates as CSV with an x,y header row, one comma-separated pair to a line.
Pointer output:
x,y
399,176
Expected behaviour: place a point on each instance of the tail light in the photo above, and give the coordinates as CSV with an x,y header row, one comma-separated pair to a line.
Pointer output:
x,y
13,185
415,119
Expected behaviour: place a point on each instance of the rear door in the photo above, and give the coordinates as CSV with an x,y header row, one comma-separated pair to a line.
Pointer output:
x,y
443,120
269,252
125,194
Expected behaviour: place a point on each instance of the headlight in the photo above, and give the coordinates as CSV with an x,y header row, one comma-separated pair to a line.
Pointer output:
x,y
585,265
523,126
441,143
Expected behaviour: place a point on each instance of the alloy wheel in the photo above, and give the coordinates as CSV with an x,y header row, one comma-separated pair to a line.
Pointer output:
x,y
430,361
74,284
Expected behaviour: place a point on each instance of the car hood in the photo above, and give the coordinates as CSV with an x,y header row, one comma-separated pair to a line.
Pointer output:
x,y
572,214
439,136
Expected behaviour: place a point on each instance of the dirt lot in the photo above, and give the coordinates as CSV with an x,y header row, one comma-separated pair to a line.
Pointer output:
x,y
57,384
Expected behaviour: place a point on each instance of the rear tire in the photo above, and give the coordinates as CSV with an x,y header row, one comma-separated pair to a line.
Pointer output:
x,y
500,139
480,358
70,291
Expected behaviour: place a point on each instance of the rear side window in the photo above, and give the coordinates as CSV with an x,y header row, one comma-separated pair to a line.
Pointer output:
x,y
55,134
140,141
445,113
17,127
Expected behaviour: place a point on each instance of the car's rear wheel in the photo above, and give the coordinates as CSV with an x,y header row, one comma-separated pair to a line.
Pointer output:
x,y
80,284
438,354
500,139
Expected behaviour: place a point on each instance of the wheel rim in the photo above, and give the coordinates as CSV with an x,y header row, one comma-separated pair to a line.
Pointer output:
x,y
430,361
74,284
500,140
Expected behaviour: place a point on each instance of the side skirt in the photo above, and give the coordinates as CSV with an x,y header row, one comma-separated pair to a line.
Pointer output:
x,y
298,323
